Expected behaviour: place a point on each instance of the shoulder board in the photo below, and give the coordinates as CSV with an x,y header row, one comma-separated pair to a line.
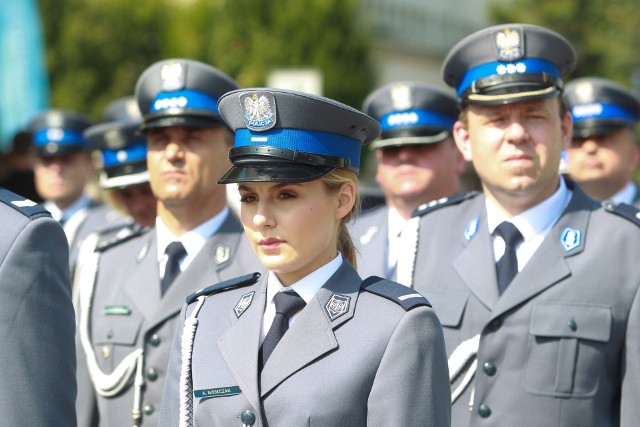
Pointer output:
x,y
237,282
126,233
445,201
405,297
624,210
26,207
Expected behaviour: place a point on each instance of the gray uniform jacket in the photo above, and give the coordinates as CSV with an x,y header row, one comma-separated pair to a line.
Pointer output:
x,y
561,346
368,361
128,313
37,326
369,232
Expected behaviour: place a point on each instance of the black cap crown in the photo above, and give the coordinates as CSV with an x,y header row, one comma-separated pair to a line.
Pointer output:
x,y
57,132
599,106
289,136
411,113
181,92
509,63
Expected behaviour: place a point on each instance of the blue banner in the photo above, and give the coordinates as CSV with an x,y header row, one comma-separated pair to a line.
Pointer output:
x,y
24,87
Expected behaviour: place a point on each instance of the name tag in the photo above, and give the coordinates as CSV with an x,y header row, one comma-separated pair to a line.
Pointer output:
x,y
121,310
217,392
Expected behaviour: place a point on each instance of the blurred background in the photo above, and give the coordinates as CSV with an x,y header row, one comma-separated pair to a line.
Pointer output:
x,y
82,54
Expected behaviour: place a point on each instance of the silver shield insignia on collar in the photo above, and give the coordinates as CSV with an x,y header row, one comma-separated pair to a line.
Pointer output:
x,y
244,303
337,305
222,253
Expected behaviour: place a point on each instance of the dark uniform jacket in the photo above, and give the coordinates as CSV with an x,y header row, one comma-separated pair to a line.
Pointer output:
x,y
375,360
128,314
561,346
37,326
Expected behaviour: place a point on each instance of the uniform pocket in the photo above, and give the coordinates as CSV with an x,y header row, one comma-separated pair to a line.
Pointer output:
x,y
564,355
114,338
448,306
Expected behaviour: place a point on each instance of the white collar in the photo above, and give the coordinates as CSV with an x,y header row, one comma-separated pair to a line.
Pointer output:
x,y
626,195
396,223
308,286
535,220
194,239
59,214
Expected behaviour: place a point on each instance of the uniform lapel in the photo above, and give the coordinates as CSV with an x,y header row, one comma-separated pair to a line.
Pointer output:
x,y
311,336
143,286
375,245
217,253
475,264
240,344
549,266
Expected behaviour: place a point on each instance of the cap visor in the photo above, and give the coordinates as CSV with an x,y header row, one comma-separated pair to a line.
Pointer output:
x,y
168,121
123,181
410,140
273,172
512,94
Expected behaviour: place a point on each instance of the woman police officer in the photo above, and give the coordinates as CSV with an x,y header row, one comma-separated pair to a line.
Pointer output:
x,y
356,352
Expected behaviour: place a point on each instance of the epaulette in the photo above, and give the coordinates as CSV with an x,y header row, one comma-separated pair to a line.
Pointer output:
x,y
624,210
445,201
128,232
405,297
26,207
237,282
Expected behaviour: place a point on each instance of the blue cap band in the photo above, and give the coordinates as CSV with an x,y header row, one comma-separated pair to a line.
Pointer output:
x,y
411,118
184,99
131,153
601,111
59,136
328,144
526,65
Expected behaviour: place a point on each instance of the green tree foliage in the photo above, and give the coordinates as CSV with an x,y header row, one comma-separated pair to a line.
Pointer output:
x,y
605,33
98,48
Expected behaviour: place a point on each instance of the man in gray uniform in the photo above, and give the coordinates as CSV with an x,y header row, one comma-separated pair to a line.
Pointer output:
x,y
604,153
63,168
540,329
418,162
128,317
37,326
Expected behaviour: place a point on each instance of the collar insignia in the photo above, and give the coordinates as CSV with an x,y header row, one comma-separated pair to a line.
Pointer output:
x,y
472,228
337,306
570,238
243,303
222,254
142,253
368,234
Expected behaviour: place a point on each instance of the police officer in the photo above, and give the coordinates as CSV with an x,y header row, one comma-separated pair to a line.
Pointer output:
x,y
417,162
129,312
540,330
310,340
604,154
125,182
37,325
124,174
63,168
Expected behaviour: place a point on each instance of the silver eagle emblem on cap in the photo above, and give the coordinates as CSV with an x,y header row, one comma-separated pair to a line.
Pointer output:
x,y
509,44
172,75
258,110
401,96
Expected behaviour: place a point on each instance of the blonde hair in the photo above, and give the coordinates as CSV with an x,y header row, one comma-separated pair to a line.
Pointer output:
x,y
334,181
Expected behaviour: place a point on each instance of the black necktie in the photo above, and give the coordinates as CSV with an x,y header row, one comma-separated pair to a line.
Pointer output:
x,y
175,252
287,303
507,266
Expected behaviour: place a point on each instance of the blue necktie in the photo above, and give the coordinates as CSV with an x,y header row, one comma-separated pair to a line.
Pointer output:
x,y
507,266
